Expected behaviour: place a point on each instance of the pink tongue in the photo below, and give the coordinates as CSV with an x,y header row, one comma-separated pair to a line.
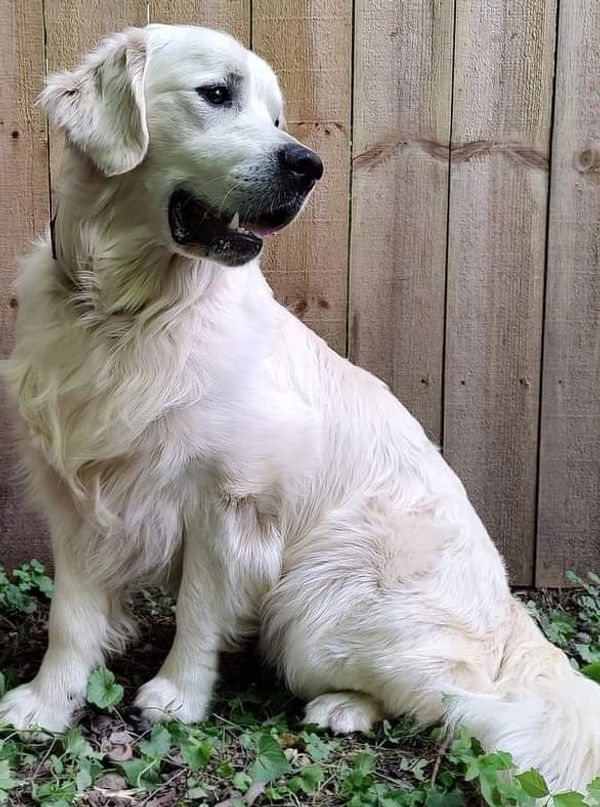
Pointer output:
x,y
262,232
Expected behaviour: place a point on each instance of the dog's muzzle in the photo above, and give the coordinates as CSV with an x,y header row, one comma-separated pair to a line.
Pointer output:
x,y
234,237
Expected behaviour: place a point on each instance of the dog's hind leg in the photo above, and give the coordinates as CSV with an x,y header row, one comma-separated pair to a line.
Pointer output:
x,y
414,611
79,631
377,614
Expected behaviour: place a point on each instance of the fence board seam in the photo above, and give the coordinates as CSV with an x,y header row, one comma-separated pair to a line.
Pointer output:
x,y
350,181
544,301
47,122
443,389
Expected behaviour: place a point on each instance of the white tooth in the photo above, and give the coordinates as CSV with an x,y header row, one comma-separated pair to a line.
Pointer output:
x,y
235,222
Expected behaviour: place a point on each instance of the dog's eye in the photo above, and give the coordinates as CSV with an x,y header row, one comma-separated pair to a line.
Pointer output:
x,y
276,122
217,95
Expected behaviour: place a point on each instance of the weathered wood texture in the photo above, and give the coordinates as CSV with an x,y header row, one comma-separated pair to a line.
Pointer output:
x,y
423,251
401,135
74,27
569,497
503,68
309,43
24,206
232,16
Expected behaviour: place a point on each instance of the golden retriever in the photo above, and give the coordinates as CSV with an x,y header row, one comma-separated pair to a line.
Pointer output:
x,y
177,420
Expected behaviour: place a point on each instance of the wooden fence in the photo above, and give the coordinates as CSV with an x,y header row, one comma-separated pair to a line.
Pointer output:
x,y
452,247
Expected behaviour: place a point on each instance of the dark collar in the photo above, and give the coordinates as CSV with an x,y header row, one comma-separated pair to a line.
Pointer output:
x,y
53,237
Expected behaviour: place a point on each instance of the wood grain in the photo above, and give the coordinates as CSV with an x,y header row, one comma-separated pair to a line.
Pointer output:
x,y
24,213
232,16
401,137
451,102
74,27
504,56
309,44
569,493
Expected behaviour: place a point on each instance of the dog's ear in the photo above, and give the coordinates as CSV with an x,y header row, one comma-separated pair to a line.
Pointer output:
x,y
100,104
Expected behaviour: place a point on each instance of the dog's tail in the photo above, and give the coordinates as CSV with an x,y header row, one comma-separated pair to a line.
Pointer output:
x,y
541,710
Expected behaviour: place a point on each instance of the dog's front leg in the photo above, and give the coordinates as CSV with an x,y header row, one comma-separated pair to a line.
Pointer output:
x,y
184,684
77,634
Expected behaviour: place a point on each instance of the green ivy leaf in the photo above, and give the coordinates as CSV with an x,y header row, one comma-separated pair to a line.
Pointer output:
x,y
195,791
316,748
487,784
589,653
102,689
49,792
569,799
241,781
6,778
272,795
58,766
593,789
364,762
83,780
56,801
592,671
76,746
159,743
46,586
196,752
499,760
561,628
226,770
472,769
141,773
271,762
455,798
533,783
311,778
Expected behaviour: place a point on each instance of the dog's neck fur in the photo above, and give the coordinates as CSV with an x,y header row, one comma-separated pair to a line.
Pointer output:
x,y
110,260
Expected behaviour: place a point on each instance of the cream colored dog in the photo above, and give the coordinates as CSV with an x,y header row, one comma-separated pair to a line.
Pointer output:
x,y
177,419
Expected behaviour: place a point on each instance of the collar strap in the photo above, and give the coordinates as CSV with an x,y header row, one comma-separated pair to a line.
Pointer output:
x,y
53,237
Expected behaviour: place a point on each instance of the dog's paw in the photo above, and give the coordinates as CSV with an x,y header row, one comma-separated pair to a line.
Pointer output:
x,y
25,707
161,699
344,712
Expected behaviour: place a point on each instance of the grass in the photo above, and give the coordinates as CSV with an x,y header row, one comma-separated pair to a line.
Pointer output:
x,y
252,750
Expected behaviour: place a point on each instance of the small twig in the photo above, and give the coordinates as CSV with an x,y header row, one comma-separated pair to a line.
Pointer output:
x,y
221,719
438,759
164,785
43,760
402,783
115,794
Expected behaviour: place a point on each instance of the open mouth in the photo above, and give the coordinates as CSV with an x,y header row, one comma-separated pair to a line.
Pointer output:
x,y
229,238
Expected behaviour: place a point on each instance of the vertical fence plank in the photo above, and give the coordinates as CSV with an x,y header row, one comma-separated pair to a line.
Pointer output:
x,y
24,212
569,495
498,198
74,27
309,44
401,135
504,56
24,152
232,16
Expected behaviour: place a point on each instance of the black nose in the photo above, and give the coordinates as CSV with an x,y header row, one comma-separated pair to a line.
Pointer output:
x,y
303,162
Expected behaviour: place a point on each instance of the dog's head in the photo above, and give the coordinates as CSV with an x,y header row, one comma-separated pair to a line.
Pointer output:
x,y
197,120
